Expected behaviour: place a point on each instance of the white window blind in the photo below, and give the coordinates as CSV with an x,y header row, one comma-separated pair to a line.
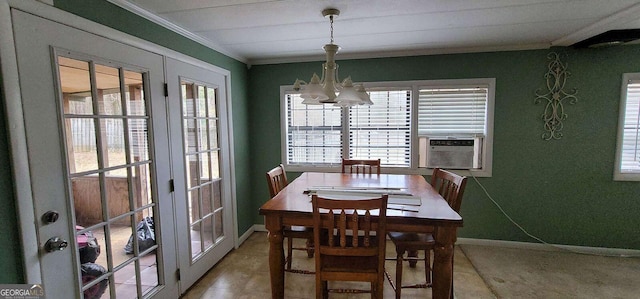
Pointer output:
x,y
452,111
382,130
630,152
314,133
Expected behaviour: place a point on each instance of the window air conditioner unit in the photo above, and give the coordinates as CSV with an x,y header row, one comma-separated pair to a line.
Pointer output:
x,y
450,153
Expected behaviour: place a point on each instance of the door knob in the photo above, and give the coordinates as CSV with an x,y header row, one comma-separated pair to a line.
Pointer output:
x,y
56,244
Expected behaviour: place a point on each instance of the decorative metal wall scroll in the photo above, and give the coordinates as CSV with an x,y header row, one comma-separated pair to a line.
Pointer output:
x,y
554,114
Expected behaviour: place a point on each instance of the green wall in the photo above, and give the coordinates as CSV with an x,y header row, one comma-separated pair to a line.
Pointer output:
x,y
561,191
10,252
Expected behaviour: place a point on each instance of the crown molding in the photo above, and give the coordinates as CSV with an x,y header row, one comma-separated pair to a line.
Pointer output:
x,y
614,21
175,28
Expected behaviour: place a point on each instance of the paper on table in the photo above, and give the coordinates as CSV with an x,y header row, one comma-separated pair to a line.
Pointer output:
x,y
401,208
409,199
368,190
405,200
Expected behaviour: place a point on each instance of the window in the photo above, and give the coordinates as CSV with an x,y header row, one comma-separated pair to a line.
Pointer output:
x,y
382,130
628,149
314,133
397,128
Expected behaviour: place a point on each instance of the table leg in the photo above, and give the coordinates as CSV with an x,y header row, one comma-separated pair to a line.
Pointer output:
x,y
276,256
443,263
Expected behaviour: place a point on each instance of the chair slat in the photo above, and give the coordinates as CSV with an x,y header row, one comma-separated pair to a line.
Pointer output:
x,y
367,229
342,227
354,228
331,226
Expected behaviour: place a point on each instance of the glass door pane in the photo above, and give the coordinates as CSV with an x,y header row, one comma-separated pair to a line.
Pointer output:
x,y
107,149
201,156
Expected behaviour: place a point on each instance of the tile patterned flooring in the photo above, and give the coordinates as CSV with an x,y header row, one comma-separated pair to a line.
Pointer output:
x,y
244,274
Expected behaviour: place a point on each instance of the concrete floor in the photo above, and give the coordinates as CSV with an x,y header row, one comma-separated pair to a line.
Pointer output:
x,y
244,273
553,273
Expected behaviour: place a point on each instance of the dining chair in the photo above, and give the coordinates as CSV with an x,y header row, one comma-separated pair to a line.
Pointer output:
x,y
451,187
349,244
360,166
277,180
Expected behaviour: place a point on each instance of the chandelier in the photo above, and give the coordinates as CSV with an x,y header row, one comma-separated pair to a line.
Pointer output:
x,y
323,90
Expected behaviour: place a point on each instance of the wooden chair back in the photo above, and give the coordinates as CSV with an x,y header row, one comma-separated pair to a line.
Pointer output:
x,y
349,245
276,180
450,186
360,166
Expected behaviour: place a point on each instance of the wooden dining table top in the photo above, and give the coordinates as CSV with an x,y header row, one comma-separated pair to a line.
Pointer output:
x,y
433,210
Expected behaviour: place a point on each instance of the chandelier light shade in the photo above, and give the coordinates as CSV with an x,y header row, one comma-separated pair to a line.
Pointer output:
x,y
329,89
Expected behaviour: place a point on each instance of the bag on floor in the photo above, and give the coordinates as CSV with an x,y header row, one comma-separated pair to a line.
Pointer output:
x,y
146,236
91,271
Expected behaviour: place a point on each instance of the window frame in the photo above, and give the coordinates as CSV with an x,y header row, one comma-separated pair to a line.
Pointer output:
x,y
415,87
618,175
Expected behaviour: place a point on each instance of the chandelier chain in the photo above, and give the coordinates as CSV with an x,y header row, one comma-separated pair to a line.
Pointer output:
x,y
331,20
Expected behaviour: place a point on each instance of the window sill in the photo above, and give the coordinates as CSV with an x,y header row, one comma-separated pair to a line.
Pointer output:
x,y
627,176
480,173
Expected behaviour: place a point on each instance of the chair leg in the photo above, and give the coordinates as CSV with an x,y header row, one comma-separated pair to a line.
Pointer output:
x,y
318,288
289,252
310,247
325,289
379,290
427,266
374,292
399,261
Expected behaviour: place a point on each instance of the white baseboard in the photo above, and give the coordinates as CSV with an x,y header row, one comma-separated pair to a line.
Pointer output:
x,y
616,252
251,230
245,236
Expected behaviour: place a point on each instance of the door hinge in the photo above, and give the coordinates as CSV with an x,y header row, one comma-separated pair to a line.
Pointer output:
x,y
166,90
172,186
178,274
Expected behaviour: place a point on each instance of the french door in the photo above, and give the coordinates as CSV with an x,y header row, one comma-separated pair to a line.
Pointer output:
x,y
96,130
131,188
200,152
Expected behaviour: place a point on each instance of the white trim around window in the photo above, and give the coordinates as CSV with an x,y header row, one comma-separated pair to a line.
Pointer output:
x,y
410,104
627,167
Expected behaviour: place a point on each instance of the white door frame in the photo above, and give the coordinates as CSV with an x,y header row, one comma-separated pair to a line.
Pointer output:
x,y
15,120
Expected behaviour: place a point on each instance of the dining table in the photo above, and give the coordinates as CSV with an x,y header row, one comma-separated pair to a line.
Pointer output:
x,y
414,206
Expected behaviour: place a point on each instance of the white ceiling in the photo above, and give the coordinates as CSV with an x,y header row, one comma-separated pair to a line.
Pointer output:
x,y
274,31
